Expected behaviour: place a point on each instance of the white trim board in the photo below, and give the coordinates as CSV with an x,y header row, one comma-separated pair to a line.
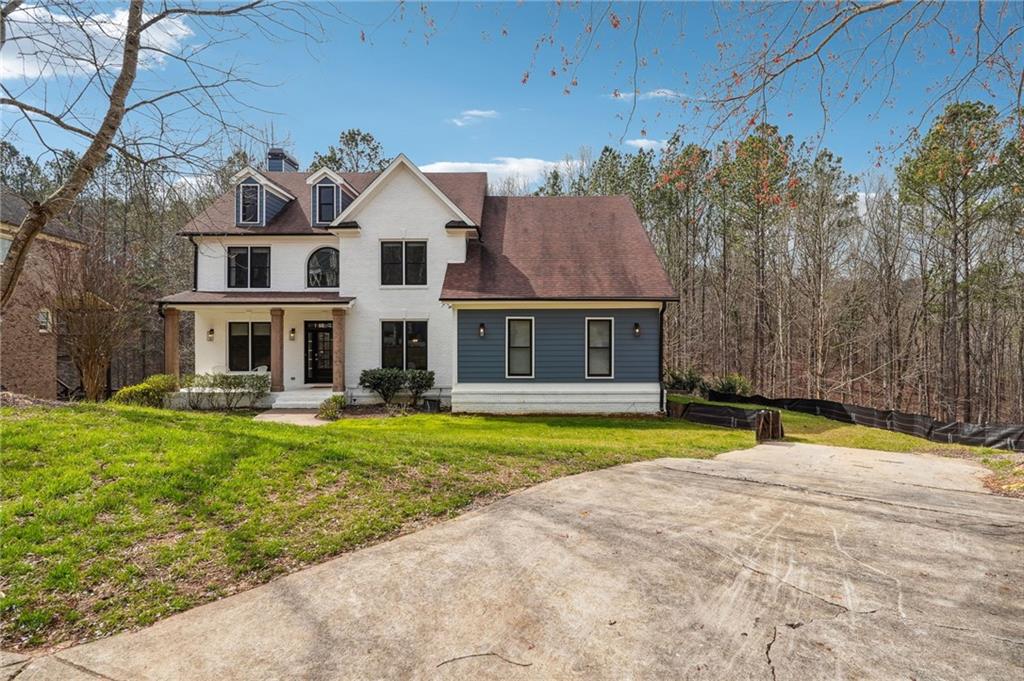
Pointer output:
x,y
554,304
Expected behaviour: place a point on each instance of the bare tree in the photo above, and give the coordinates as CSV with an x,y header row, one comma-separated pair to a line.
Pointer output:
x,y
98,55
93,301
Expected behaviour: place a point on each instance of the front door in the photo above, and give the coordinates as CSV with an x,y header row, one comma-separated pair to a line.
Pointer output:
x,y
319,352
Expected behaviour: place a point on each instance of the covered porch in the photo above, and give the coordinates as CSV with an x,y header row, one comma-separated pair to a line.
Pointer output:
x,y
298,338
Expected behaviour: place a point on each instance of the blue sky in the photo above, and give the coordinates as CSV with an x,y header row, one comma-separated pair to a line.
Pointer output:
x,y
457,100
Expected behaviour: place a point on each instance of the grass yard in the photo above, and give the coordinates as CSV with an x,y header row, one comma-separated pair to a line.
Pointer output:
x,y
113,517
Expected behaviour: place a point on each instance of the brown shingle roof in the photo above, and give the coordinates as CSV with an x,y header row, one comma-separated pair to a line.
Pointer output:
x,y
13,209
542,248
466,190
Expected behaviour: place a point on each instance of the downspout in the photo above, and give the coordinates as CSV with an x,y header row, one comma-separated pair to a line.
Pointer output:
x,y
661,356
195,263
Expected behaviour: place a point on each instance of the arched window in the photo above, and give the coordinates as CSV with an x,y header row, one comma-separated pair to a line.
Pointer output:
x,y
322,268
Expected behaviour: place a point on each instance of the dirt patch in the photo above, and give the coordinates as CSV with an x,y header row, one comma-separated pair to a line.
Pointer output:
x,y
19,401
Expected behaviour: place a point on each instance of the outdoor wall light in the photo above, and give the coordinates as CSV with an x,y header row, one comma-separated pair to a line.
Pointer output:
x,y
483,329
636,329
209,335
291,333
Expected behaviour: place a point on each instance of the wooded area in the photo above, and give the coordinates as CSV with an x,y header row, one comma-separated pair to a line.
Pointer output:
x,y
903,295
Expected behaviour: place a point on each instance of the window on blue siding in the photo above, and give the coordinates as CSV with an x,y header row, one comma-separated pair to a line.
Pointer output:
x,y
520,348
599,348
324,203
250,199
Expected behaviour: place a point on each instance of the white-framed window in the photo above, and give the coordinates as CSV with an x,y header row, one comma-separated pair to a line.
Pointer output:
x,y
326,199
519,347
249,204
248,346
248,266
403,263
5,246
600,347
403,344
44,321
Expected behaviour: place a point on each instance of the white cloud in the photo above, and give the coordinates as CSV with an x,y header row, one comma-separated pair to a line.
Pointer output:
x,y
529,170
657,93
86,42
471,116
645,144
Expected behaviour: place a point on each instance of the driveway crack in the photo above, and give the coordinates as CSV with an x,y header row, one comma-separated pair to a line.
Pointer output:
x,y
84,670
768,651
471,655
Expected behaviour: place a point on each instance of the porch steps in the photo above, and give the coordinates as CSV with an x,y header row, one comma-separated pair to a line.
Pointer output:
x,y
309,398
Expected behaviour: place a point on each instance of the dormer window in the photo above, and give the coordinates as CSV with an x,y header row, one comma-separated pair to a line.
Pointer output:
x,y
326,201
249,200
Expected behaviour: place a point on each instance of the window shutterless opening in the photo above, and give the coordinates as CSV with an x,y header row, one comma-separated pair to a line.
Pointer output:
x,y
519,347
249,211
403,345
322,268
248,266
600,349
248,346
325,203
403,263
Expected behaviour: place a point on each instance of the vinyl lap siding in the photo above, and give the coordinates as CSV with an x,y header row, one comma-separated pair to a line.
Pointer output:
x,y
559,352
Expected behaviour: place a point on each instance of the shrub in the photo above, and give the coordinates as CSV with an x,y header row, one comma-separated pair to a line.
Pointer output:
x,y
233,389
385,382
734,384
418,381
149,393
688,380
140,394
331,408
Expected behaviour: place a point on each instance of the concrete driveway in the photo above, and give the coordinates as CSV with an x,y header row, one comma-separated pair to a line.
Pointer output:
x,y
779,562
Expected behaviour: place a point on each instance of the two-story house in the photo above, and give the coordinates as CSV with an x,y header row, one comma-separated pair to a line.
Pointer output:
x,y
518,304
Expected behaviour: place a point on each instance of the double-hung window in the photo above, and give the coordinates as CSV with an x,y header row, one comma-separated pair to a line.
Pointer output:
x,y
249,211
325,202
403,263
403,345
248,266
248,346
519,347
599,347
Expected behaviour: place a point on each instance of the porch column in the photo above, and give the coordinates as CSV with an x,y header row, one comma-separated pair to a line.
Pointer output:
x,y
338,350
276,349
172,360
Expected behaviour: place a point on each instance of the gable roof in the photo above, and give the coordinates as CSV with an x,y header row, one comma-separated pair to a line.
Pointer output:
x,y
465,190
251,173
550,248
401,161
13,209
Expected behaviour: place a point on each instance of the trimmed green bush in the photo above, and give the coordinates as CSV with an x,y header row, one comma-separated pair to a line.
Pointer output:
x,y
140,394
331,408
149,393
417,382
385,382
735,384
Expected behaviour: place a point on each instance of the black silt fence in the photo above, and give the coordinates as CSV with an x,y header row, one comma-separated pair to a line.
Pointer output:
x,y
998,436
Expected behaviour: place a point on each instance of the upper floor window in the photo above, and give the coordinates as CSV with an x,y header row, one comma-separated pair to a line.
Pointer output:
x,y
249,267
5,246
403,263
326,196
44,321
322,268
249,200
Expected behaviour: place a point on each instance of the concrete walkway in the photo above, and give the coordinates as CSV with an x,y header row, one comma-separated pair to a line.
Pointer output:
x,y
296,417
779,562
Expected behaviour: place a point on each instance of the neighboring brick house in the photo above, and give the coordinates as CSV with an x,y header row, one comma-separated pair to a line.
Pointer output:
x,y
29,343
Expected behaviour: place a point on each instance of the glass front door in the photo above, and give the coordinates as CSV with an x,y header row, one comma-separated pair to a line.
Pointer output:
x,y
319,352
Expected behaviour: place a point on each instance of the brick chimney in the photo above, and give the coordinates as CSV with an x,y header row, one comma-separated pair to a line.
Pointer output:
x,y
279,160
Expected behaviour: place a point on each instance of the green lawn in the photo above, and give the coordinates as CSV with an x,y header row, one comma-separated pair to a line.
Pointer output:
x,y
113,517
